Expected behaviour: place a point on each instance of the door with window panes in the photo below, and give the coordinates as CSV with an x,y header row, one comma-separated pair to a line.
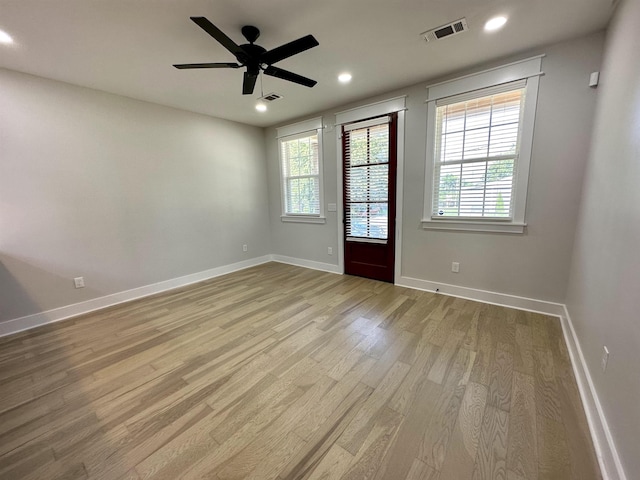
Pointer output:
x,y
369,174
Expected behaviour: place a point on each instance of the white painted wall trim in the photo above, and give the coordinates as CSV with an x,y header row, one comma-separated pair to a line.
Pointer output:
x,y
340,185
399,194
302,219
471,226
50,316
525,68
301,262
300,127
608,458
376,109
485,296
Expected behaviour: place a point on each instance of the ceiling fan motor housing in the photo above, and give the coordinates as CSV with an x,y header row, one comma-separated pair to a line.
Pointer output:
x,y
252,57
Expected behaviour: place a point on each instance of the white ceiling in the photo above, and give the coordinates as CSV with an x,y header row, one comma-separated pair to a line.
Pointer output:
x,y
127,47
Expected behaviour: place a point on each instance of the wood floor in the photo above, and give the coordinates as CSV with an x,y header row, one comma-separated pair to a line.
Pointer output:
x,y
280,372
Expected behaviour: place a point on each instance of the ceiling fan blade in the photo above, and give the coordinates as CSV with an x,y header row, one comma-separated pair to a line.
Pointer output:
x,y
183,66
289,76
249,83
218,34
289,49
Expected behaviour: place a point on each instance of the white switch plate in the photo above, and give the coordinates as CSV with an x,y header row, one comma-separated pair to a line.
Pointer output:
x,y
78,282
332,207
455,267
329,250
245,248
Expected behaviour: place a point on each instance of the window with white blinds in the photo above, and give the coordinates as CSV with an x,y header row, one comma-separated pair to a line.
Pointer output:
x,y
477,140
366,177
299,155
479,148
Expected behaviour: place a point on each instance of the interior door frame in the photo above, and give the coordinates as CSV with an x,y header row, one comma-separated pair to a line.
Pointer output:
x,y
396,104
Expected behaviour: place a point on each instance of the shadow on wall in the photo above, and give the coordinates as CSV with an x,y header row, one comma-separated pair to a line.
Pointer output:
x,y
13,298
26,289
49,388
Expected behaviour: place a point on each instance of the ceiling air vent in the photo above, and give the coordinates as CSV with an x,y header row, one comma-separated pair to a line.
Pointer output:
x,y
447,30
270,97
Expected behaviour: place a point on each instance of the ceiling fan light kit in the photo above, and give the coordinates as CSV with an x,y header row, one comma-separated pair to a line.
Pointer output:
x,y
254,57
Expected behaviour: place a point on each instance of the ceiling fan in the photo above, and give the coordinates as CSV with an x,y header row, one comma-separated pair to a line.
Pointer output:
x,y
254,57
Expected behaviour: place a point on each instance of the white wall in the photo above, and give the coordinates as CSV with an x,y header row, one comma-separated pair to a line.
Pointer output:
x,y
533,265
604,289
122,192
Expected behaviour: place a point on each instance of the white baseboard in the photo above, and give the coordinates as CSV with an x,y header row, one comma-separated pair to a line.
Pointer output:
x,y
50,316
606,451
300,262
485,296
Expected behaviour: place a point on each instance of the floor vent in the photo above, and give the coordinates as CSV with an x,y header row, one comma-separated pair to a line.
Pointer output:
x,y
447,30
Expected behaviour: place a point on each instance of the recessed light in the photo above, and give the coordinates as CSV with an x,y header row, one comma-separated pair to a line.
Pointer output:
x,y
344,77
261,107
5,37
495,23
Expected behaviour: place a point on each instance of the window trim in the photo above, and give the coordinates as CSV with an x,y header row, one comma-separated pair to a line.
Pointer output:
x,y
377,109
528,69
312,126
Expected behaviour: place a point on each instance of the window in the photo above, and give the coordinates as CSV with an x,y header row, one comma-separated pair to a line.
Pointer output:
x,y
366,177
301,175
479,149
301,172
476,152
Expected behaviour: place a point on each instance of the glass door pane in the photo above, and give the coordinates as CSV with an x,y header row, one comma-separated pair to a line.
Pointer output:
x,y
367,182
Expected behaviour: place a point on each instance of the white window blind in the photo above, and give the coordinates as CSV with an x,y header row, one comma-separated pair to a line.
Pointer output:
x,y
476,152
366,177
301,173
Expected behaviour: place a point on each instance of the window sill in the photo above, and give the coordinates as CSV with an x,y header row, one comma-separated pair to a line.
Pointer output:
x,y
367,240
302,219
474,226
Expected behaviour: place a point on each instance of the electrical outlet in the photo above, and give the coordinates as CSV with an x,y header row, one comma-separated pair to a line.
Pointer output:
x,y
245,248
455,267
78,282
605,358
329,250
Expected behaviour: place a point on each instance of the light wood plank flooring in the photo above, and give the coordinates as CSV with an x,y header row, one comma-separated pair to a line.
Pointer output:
x,y
280,372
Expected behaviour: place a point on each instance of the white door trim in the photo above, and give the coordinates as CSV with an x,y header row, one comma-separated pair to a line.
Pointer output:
x,y
398,105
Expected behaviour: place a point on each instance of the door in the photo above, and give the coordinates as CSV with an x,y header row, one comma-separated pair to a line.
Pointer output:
x,y
369,172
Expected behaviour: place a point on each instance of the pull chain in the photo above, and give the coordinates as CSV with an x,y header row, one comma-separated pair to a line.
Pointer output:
x,y
261,90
